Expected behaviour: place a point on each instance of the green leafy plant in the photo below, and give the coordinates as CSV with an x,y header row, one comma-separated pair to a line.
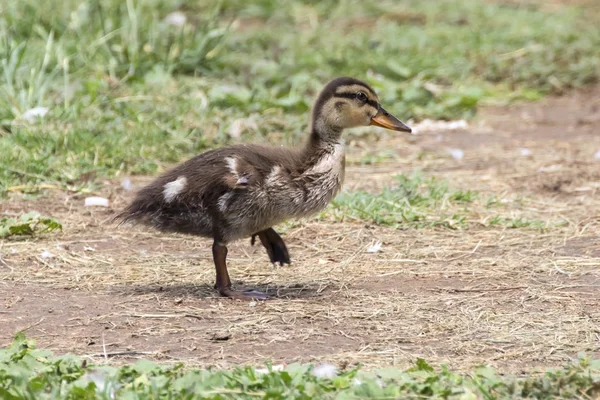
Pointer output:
x,y
28,224
29,373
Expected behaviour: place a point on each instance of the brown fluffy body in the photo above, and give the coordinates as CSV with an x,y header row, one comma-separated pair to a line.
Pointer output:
x,y
237,191
243,190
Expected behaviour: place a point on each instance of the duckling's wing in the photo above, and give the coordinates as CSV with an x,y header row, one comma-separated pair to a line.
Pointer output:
x,y
187,198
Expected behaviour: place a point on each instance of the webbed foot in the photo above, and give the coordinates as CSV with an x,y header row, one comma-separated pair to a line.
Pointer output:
x,y
276,248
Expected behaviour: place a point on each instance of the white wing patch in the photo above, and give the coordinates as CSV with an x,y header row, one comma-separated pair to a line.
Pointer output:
x,y
172,189
232,164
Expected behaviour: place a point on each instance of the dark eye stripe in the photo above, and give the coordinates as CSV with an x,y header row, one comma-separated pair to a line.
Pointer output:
x,y
373,103
352,96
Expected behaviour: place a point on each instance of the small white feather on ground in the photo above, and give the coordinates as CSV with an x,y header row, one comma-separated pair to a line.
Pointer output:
x,y
34,113
176,18
374,247
46,254
262,371
126,184
524,152
325,371
428,125
96,201
457,154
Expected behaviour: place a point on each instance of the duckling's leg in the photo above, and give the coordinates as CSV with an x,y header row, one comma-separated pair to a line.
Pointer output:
x,y
274,244
224,283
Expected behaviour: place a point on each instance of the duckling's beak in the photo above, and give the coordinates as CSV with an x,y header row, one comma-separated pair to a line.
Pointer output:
x,y
386,120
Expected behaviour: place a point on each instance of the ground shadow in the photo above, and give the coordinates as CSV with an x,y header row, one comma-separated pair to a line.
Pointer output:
x,y
299,290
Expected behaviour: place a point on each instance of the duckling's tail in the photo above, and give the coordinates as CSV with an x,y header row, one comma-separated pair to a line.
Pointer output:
x,y
140,210
150,209
131,214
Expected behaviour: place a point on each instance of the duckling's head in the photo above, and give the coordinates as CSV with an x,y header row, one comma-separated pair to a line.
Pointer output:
x,y
348,103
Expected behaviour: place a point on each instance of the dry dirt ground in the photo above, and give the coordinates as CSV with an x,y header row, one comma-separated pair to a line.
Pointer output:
x,y
511,298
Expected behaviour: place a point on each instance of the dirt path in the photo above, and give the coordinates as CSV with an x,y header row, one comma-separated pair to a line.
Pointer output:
x,y
513,298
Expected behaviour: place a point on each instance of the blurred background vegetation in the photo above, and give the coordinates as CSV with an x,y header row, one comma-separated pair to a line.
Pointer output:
x,y
99,88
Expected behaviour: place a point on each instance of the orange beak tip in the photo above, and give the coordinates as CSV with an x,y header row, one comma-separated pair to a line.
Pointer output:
x,y
388,121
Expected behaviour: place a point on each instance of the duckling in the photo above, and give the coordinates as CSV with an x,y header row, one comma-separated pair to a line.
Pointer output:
x,y
244,190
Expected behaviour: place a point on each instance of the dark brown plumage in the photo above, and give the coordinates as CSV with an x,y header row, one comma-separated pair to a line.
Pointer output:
x,y
243,190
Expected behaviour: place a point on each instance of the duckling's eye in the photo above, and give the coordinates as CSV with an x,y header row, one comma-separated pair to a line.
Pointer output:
x,y
360,96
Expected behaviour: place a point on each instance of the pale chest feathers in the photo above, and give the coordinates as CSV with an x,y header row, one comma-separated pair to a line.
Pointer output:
x,y
312,190
255,204
331,163
328,173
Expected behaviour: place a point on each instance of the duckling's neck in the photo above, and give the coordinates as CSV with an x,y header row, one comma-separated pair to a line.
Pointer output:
x,y
324,152
324,134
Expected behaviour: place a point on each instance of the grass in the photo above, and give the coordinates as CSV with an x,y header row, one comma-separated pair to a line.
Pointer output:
x,y
27,225
127,92
416,201
413,201
29,373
